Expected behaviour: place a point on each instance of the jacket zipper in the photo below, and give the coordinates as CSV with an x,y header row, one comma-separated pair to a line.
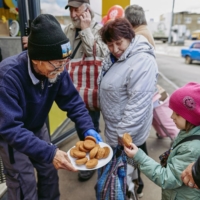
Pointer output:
x,y
42,85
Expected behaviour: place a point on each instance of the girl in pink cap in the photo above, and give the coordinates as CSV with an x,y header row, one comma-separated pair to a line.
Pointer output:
x,y
185,103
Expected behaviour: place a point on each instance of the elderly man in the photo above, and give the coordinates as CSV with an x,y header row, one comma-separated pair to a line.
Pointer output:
x,y
29,84
136,16
83,31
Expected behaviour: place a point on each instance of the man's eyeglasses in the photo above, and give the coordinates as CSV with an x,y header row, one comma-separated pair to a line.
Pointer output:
x,y
59,64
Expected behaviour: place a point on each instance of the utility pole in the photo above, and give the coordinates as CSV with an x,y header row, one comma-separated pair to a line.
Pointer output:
x,y
171,24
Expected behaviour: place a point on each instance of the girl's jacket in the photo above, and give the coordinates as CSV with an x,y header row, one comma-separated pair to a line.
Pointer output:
x,y
169,178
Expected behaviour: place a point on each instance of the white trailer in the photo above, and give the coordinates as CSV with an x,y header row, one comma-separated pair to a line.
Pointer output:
x,y
161,30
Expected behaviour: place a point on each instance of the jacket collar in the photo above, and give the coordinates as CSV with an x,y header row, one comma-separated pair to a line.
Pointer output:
x,y
182,134
140,28
34,80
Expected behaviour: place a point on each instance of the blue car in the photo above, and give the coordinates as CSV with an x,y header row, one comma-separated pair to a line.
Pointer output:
x,y
191,53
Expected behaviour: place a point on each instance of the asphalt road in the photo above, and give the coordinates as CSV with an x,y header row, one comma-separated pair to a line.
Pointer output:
x,y
174,69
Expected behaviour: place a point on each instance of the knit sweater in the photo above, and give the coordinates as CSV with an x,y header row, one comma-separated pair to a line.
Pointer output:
x,y
25,103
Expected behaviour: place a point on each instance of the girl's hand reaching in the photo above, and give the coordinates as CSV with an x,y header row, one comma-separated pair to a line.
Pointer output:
x,y
131,151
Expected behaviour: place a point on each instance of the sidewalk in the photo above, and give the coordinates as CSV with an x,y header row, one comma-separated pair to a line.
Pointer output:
x,y
171,50
72,189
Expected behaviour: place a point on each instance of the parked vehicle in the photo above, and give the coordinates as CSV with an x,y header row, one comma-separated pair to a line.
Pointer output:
x,y
191,53
161,30
196,35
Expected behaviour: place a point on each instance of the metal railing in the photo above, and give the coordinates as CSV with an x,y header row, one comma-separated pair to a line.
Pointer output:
x,y
2,176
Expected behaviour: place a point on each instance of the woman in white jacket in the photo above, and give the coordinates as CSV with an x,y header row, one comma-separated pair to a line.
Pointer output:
x,y
127,83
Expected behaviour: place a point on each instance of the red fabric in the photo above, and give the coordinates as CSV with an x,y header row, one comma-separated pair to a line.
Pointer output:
x,y
84,73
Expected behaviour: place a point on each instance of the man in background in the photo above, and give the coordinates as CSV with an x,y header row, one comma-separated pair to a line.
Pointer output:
x,y
136,16
83,31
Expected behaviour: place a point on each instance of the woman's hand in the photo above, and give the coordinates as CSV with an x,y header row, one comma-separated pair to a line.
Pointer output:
x,y
131,151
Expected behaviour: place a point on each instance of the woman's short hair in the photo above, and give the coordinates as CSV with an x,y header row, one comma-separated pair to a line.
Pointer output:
x,y
135,15
115,29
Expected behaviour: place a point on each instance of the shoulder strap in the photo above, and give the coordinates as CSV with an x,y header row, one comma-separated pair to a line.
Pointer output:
x,y
95,24
190,138
78,45
75,50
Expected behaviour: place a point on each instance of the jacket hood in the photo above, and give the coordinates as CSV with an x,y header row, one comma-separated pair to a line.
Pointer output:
x,y
138,44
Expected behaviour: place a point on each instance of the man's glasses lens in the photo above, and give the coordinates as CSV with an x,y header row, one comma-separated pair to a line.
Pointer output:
x,y
59,64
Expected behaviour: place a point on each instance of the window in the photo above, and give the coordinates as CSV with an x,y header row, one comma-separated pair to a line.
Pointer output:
x,y
188,20
179,21
196,46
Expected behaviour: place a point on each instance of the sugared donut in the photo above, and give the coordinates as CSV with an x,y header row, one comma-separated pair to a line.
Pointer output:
x,y
127,139
79,154
89,144
91,138
100,153
107,152
81,161
82,148
93,152
91,163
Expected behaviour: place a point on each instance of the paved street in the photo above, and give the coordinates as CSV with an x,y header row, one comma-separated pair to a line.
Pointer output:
x,y
72,189
170,50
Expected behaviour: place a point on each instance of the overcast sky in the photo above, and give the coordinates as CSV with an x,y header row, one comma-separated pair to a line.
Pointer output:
x,y
153,8
54,7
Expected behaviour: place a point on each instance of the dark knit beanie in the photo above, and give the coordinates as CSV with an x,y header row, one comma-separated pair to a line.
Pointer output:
x,y
47,41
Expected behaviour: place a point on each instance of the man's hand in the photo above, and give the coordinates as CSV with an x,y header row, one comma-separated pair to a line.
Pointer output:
x,y
85,19
187,178
61,161
25,41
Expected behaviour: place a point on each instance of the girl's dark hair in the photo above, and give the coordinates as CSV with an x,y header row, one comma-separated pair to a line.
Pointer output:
x,y
115,29
188,126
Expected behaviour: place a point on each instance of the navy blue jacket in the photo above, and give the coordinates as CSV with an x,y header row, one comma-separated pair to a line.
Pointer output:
x,y
24,107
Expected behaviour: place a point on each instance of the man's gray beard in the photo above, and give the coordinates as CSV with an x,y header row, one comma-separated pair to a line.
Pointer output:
x,y
77,23
53,80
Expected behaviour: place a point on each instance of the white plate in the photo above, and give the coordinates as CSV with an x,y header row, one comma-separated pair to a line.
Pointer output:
x,y
101,162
